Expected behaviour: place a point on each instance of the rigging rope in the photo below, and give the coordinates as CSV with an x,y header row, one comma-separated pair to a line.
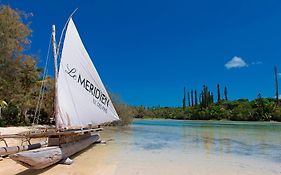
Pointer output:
x,y
62,33
42,88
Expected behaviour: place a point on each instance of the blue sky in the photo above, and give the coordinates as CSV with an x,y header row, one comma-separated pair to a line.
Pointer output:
x,y
148,50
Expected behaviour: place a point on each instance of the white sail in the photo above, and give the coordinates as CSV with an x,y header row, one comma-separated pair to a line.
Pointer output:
x,y
81,96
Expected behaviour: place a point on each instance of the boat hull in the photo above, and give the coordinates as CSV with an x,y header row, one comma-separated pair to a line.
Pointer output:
x,y
44,157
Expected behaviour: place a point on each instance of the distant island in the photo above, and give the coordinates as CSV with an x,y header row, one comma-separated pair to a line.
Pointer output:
x,y
204,107
260,109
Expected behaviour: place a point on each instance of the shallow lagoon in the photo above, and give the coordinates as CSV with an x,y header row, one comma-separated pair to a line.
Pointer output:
x,y
200,147
167,147
261,140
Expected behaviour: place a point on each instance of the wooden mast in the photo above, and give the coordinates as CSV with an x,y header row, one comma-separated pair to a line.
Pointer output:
x,y
56,70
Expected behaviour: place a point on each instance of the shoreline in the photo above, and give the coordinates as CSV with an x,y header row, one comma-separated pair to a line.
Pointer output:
x,y
222,120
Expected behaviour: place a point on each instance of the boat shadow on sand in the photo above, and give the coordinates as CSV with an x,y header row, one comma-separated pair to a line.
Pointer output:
x,y
39,171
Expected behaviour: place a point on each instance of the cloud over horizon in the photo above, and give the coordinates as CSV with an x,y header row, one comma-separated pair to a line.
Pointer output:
x,y
236,62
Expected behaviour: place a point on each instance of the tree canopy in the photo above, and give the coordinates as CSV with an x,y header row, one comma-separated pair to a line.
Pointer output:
x,y
20,77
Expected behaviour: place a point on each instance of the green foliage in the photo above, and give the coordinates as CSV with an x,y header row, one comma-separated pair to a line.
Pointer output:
x,y
207,97
261,109
2,123
19,75
126,114
188,97
219,94
225,93
10,115
276,115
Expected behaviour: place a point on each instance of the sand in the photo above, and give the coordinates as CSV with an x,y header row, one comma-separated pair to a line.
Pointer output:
x,y
118,158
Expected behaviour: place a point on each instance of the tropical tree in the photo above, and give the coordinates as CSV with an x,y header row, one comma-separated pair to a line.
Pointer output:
x,y
192,98
18,71
195,96
225,93
188,97
219,94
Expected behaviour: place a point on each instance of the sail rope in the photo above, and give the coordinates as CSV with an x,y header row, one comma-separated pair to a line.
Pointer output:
x,y
62,32
42,88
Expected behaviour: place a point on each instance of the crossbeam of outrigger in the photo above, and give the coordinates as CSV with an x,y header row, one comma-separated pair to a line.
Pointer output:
x,y
27,136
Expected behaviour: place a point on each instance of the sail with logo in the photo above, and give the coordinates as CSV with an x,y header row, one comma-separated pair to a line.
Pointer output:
x,y
81,96
81,103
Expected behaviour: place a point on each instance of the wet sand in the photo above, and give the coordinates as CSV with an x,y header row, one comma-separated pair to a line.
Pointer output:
x,y
121,156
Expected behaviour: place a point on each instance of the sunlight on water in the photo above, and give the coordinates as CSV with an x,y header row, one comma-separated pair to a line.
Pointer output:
x,y
196,147
166,147
257,139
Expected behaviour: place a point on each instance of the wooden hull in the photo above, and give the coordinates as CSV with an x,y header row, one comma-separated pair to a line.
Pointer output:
x,y
44,157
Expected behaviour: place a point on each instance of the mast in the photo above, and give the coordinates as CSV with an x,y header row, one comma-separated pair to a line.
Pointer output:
x,y
56,68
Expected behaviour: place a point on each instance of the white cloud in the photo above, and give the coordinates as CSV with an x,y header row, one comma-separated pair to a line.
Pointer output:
x,y
257,62
236,62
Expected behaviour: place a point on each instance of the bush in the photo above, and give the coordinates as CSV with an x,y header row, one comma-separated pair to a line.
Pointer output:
x,y
276,115
2,123
126,114
10,115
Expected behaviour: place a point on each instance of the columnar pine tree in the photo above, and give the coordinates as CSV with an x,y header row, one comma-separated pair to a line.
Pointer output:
x,y
219,94
200,99
192,102
206,94
212,97
276,85
184,100
195,96
225,93
204,97
209,98
188,97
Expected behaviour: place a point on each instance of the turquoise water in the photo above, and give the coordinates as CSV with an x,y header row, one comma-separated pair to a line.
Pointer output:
x,y
255,140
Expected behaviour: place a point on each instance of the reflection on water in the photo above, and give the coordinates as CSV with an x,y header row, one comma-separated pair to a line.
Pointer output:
x,y
261,140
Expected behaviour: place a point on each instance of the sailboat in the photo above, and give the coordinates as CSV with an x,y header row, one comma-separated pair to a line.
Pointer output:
x,y
82,104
